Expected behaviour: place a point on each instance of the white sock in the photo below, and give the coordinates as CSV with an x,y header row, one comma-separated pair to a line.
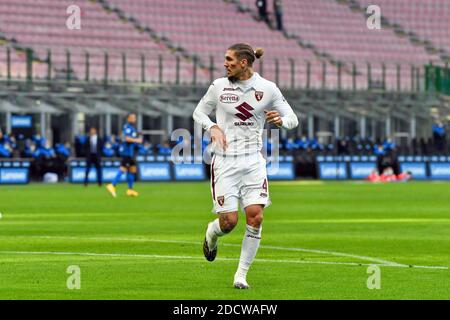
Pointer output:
x,y
250,246
213,233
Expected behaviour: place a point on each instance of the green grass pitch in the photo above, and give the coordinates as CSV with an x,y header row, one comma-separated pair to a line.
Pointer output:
x,y
318,241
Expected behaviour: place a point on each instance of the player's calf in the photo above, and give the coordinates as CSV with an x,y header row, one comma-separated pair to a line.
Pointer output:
x,y
217,228
250,244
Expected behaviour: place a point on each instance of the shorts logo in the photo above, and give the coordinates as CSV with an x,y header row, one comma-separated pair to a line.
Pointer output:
x,y
244,113
263,195
221,200
259,95
229,98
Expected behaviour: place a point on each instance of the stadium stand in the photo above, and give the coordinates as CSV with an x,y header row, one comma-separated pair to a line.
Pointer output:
x,y
183,23
335,29
41,25
427,20
110,26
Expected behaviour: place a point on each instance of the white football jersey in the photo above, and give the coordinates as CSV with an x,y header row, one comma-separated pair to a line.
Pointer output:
x,y
240,113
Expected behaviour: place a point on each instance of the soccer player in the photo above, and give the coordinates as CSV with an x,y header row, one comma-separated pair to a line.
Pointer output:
x,y
128,151
242,101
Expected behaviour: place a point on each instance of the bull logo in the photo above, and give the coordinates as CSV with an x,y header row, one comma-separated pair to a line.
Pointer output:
x,y
259,95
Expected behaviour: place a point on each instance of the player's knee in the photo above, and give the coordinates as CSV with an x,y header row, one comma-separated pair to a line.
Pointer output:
x,y
228,222
255,221
255,217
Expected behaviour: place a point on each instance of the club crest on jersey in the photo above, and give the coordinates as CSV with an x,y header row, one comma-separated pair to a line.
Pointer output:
x,y
229,98
259,95
221,200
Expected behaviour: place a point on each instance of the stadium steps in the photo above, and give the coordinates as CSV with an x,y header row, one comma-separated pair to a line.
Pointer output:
x,y
342,32
399,30
249,7
141,27
40,24
18,56
183,22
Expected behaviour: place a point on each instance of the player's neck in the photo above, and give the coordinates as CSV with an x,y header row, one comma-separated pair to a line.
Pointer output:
x,y
246,75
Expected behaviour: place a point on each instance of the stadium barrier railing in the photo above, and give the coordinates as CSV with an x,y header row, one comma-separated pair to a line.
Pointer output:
x,y
72,66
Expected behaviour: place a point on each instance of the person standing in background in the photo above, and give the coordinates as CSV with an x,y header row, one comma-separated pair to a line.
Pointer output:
x,y
93,152
278,11
439,135
128,165
262,9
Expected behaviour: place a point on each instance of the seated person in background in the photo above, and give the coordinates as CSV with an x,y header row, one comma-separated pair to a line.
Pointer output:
x,y
342,146
314,144
108,150
116,143
302,143
44,155
62,154
5,150
378,150
62,150
7,146
388,175
11,140
21,143
374,176
44,150
144,149
290,145
30,147
164,149
388,144
405,176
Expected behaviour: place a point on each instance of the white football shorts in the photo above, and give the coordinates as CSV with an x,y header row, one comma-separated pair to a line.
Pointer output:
x,y
238,181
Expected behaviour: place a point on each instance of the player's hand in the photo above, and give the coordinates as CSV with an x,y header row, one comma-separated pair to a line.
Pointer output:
x,y
218,137
274,118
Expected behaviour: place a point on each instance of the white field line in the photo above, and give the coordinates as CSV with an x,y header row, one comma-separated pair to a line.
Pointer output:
x,y
169,257
13,219
378,261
